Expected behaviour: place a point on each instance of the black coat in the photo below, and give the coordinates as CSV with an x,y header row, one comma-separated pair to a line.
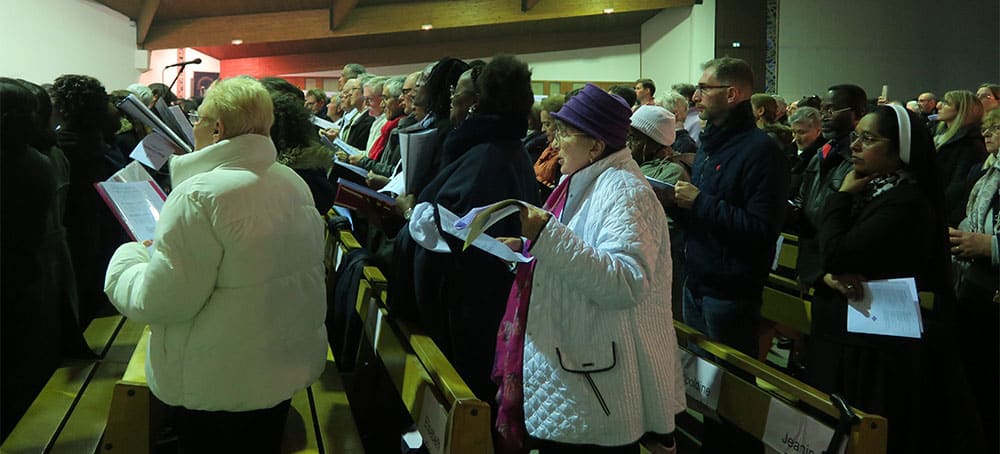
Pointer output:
x,y
30,335
357,136
955,159
735,220
460,297
918,384
821,179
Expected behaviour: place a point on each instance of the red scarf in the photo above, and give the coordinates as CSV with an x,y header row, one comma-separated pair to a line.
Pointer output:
x,y
383,139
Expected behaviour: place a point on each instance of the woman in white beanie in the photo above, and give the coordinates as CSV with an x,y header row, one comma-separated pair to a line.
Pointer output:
x,y
650,137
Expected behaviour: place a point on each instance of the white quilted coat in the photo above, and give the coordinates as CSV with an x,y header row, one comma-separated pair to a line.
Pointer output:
x,y
603,278
234,292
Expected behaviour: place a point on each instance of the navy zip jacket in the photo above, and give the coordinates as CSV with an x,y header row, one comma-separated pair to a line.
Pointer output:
x,y
735,221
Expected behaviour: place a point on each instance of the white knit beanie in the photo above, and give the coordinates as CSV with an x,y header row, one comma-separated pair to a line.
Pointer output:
x,y
655,122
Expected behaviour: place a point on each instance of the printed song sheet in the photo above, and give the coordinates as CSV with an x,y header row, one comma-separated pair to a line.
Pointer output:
x,y
137,205
889,307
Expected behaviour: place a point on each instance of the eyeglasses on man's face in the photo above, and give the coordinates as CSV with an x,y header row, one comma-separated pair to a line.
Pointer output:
x,y
986,96
995,129
830,111
705,87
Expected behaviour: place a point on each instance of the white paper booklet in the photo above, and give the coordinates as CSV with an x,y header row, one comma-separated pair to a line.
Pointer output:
x,y
893,309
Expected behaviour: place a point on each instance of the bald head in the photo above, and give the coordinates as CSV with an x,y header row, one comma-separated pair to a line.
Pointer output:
x,y
409,90
927,102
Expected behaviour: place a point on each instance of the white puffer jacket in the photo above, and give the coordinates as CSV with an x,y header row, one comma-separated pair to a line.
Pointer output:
x,y
234,292
600,302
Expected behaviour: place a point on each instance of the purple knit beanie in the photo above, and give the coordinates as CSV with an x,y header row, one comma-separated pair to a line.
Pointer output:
x,y
599,114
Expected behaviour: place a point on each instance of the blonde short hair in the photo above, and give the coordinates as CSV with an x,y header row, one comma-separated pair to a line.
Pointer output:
x,y
242,104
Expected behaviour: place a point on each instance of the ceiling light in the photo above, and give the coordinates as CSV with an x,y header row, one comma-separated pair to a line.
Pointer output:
x,y
426,27
737,44
609,10
237,42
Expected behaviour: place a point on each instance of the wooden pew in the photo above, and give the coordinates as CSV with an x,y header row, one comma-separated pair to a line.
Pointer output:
x,y
747,406
56,420
319,421
449,417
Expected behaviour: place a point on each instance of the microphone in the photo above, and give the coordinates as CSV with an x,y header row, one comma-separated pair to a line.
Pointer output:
x,y
184,63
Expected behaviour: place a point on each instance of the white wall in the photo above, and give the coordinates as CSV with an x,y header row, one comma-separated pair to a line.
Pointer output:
x,y
604,64
611,63
909,45
44,39
676,42
159,59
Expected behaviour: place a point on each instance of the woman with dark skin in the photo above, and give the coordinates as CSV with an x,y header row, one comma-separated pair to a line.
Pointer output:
x,y
485,147
886,222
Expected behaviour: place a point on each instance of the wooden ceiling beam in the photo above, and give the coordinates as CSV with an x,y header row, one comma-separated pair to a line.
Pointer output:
x,y
147,11
339,11
375,19
425,52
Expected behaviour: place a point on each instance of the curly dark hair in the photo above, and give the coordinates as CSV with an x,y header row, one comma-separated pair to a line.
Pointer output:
x,y
278,85
504,87
435,95
81,100
292,127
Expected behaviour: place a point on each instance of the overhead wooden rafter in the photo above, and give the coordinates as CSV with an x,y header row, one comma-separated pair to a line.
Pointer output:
x,y
142,23
379,18
339,9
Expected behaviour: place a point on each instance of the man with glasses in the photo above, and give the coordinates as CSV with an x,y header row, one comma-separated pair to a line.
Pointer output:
x,y
734,207
732,212
372,93
356,130
826,171
928,109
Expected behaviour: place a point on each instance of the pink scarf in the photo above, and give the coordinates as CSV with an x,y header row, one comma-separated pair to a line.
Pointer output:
x,y
508,372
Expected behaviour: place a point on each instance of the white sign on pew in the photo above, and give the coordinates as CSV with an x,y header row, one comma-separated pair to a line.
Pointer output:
x,y
790,431
433,424
702,380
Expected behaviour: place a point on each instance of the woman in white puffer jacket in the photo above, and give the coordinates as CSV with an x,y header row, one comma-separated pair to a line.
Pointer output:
x,y
587,348
233,290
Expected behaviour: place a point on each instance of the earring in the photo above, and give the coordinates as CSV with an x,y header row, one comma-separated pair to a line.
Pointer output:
x,y
472,108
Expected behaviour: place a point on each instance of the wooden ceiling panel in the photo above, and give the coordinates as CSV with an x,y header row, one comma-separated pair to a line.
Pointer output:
x,y
548,30
378,32
424,52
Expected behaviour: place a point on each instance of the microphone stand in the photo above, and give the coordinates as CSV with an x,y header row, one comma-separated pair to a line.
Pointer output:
x,y
180,70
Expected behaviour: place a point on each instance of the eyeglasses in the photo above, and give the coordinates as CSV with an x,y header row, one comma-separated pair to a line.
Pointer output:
x,y
991,130
193,117
830,112
703,87
406,91
563,134
986,96
867,140
455,93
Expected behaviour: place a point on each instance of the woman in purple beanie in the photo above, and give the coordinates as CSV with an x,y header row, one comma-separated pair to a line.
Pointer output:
x,y
586,353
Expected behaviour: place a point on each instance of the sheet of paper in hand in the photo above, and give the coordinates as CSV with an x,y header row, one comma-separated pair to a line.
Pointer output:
x,y
477,220
664,191
893,309
486,243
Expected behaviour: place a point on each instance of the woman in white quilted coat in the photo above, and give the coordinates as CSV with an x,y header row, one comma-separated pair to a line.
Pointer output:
x,y
587,349
233,289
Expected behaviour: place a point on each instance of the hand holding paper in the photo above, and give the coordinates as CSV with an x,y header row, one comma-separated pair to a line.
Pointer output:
x,y
477,220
